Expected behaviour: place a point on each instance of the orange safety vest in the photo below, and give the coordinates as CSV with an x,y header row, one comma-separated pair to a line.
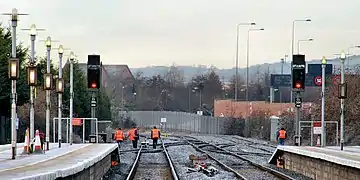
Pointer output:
x,y
131,134
282,134
119,135
155,133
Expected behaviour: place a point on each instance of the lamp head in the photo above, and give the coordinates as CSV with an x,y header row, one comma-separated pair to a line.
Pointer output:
x,y
343,55
72,56
33,30
253,24
261,29
48,41
308,20
323,61
14,14
60,49
310,39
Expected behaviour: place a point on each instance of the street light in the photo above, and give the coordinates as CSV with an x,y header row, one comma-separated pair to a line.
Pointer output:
x,y
323,132
13,71
60,90
292,44
247,74
32,73
303,40
237,55
342,98
13,75
72,57
247,60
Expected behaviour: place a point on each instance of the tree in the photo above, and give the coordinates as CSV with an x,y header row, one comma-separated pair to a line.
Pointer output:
x,y
5,88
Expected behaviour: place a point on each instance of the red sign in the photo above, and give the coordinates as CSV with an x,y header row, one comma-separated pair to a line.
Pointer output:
x,y
336,80
318,80
76,121
317,124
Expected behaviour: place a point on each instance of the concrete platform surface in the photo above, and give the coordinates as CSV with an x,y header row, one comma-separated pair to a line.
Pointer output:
x,y
350,156
58,162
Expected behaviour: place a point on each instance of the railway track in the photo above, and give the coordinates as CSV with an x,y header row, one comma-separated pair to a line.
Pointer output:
x,y
244,169
152,164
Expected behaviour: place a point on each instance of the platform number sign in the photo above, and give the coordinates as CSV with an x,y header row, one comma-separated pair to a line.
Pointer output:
x,y
298,102
93,102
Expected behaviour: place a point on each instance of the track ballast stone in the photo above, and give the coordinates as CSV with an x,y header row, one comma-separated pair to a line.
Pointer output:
x,y
180,157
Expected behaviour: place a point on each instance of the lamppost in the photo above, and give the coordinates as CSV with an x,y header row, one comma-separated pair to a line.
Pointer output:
x,y
13,73
60,90
303,40
237,55
342,97
247,60
32,71
72,57
48,86
323,135
292,45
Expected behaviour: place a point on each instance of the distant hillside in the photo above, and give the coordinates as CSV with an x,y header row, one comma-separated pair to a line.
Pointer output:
x,y
226,74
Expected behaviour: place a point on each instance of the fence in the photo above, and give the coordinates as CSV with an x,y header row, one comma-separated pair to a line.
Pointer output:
x,y
179,121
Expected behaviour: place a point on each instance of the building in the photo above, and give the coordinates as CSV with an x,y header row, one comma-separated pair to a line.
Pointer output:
x,y
230,108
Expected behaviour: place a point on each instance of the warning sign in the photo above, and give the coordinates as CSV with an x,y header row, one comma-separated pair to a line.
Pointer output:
x,y
317,128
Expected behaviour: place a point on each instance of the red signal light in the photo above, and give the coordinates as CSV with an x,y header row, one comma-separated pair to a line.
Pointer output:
x,y
93,85
298,85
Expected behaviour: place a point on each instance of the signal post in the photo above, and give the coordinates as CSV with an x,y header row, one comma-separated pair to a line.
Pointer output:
x,y
298,66
94,78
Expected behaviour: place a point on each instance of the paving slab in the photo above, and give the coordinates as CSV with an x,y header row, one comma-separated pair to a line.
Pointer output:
x,y
350,156
59,162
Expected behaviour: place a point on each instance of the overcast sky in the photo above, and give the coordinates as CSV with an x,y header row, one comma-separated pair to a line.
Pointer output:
x,y
189,32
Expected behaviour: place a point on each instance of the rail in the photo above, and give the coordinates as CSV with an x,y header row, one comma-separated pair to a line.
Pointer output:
x,y
172,168
259,166
135,165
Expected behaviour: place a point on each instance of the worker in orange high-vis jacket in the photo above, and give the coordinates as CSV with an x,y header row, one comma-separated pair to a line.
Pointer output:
x,y
133,136
119,136
155,135
281,136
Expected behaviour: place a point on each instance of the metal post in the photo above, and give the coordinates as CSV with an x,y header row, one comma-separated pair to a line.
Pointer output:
x,y
122,99
71,97
292,53
92,123
60,101
32,113
247,66
47,128
54,128
13,90
342,104
237,63
323,141
312,134
271,94
297,121
200,100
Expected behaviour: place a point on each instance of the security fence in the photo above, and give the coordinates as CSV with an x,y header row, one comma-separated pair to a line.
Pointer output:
x,y
179,121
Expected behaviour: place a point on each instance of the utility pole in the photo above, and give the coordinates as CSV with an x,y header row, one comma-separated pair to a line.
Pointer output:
x,y
342,97
60,85
282,65
72,57
323,124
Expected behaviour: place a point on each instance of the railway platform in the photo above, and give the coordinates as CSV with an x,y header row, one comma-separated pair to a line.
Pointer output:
x,y
88,160
320,163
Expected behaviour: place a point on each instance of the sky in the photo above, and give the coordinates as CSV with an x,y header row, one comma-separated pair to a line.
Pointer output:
x,y
143,33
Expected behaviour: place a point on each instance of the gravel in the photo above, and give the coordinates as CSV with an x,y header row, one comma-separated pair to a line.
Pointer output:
x,y
153,166
180,158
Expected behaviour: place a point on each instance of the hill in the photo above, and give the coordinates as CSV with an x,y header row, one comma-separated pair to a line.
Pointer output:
x,y
226,74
